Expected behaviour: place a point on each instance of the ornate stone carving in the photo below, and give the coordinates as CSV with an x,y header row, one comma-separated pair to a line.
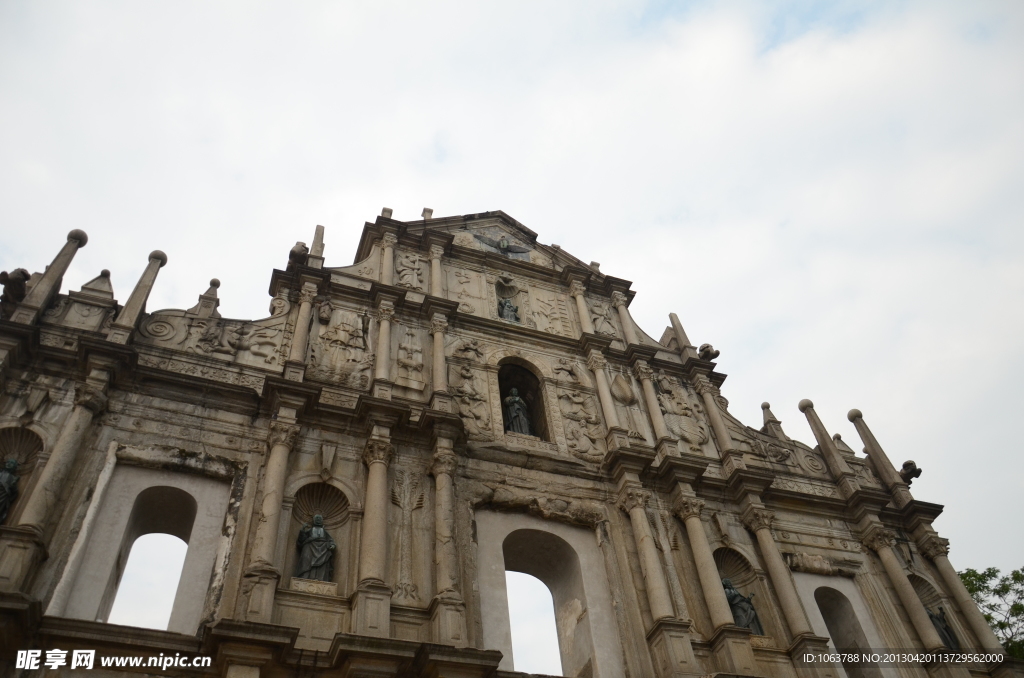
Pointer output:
x,y
596,362
680,418
634,497
472,404
91,398
436,252
618,299
438,325
685,507
307,295
377,450
283,434
280,305
566,370
933,546
408,272
445,463
628,405
535,502
642,371
389,240
576,289
384,313
8,487
584,433
703,385
817,564
879,539
407,495
470,349
410,362
707,352
601,316
14,290
546,315
769,451
339,352
759,519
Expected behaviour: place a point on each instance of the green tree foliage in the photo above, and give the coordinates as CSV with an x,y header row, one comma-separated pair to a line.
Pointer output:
x,y
1001,599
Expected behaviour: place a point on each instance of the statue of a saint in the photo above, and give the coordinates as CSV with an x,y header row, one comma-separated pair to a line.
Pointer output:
x,y
941,625
517,417
8,487
507,310
743,612
316,552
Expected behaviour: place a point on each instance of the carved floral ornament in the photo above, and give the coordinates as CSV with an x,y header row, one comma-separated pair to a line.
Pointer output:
x,y
642,371
934,546
377,450
576,289
91,398
307,295
634,498
703,385
618,299
596,362
438,325
686,507
283,434
384,313
880,539
436,251
759,519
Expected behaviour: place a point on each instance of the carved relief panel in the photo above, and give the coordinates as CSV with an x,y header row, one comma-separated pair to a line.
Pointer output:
x,y
683,413
340,347
584,430
467,288
410,270
409,371
549,312
626,394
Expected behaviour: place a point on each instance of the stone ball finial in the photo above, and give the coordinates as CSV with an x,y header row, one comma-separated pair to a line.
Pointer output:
x,y
105,273
805,405
214,283
854,415
765,405
79,235
159,256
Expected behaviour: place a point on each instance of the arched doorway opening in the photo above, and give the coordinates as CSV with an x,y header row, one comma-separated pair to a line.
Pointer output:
x,y
145,596
512,375
845,630
531,612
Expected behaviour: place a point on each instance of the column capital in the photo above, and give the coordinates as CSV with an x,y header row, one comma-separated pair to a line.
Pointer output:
x,y
596,361
618,299
685,507
377,450
576,288
436,252
633,497
759,519
642,371
933,546
438,324
703,385
389,240
307,295
445,463
282,433
91,398
384,312
880,538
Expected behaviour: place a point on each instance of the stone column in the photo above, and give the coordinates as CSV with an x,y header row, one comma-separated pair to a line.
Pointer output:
x,y
263,572
122,328
300,338
937,549
371,604
633,501
576,290
22,548
382,368
89,401
387,271
759,521
645,375
438,326
436,288
619,300
707,391
883,466
38,298
837,466
882,541
447,610
686,349
689,509
596,363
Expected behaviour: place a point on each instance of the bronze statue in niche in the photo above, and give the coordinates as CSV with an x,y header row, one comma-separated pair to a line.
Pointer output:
x,y
316,552
8,487
517,418
743,612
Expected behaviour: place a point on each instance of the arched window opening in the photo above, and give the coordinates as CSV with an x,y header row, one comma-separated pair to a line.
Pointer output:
x,y
531,612
528,416
845,631
551,560
145,595
165,511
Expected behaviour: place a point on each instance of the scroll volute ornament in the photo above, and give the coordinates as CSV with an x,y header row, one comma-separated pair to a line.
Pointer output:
x,y
283,434
703,385
444,464
641,370
576,289
879,539
377,450
438,325
385,313
596,362
934,546
618,299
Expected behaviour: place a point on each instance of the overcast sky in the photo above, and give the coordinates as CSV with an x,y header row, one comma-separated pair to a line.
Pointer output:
x,y
831,194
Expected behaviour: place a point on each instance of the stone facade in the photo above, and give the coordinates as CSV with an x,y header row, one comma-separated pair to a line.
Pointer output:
x,y
379,396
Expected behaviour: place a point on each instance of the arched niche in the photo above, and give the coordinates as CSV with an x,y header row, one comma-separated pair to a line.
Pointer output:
x,y
142,501
845,630
939,609
516,373
334,505
569,562
23,446
734,566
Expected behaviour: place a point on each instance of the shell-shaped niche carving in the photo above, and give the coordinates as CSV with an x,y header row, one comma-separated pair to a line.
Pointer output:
x,y
19,444
323,499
